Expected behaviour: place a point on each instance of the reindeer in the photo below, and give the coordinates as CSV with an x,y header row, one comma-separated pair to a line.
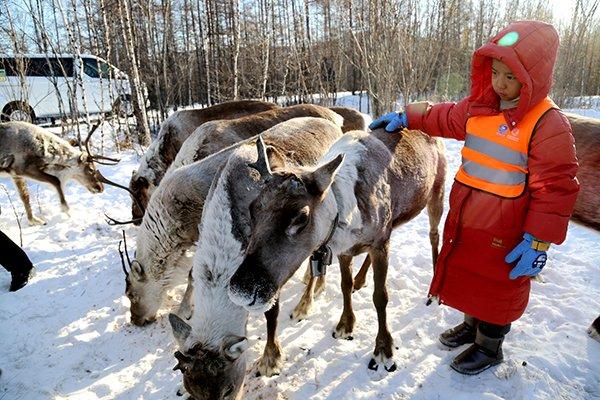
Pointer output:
x,y
366,185
29,151
587,142
161,258
173,132
211,346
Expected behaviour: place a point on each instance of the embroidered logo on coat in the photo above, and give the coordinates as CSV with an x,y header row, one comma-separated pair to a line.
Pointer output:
x,y
502,129
513,135
498,243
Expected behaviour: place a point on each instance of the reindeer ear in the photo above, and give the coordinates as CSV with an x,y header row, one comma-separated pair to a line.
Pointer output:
x,y
233,346
322,178
181,330
276,158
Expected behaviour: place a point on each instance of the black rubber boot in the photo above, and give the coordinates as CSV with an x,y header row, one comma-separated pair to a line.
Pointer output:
x,y
20,279
460,334
484,353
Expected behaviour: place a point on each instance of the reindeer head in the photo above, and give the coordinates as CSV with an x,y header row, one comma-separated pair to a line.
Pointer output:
x,y
210,374
139,187
290,219
145,292
87,174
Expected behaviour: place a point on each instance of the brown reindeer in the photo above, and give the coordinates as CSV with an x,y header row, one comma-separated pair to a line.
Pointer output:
x,y
587,143
365,186
173,132
29,151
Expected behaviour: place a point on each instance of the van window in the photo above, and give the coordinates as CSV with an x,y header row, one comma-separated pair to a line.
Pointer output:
x,y
95,69
38,66
10,67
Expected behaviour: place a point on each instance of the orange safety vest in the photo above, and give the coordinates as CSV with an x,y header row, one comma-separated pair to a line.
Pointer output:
x,y
494,158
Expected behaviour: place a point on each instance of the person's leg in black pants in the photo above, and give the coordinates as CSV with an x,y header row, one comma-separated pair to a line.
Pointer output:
x,y
14,259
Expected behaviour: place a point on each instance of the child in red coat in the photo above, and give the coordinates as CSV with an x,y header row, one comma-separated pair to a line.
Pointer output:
x,y
513,194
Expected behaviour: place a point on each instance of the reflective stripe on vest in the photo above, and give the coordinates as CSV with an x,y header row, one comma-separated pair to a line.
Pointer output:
x,y
494,158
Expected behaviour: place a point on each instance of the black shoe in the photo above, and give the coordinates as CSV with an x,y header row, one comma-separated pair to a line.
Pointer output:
x,y
460,334
20,279
484,353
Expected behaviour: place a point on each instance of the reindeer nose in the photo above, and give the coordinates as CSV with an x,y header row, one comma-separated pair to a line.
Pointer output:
x,y
250,286
141,321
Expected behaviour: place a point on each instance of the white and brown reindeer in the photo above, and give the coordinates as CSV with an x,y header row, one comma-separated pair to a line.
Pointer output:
x,y
29,151
173,132
367,185
172,226
211,346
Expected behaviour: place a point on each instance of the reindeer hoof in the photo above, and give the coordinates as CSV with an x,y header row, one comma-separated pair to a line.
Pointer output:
x,y
358,285
373,365
269,366
36,221
299,314
337,334
388,364
391,368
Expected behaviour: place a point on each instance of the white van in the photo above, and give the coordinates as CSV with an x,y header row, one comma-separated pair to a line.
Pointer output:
x,y
43,86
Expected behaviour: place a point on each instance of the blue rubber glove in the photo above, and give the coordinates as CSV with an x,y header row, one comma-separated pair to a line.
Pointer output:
x,y
531,261
392,122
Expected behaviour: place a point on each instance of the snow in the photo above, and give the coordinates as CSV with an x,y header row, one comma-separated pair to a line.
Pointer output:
x,y
67,334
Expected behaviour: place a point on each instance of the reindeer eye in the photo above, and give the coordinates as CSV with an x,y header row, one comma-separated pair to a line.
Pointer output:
x,y
298,222
295,184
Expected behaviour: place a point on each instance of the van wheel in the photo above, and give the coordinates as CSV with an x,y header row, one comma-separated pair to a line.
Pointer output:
x,y
123,107
18,111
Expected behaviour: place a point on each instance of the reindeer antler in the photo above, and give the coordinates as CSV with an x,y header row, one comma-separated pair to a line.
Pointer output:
x,y
262,163
122,259
104,179
112,221
97,158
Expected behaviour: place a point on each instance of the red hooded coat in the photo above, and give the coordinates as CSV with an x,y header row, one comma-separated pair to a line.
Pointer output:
x,y
482,228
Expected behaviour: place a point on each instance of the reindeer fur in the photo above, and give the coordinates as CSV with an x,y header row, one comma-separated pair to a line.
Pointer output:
x,y
587,144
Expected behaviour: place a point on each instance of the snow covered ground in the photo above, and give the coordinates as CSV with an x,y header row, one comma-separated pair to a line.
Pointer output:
x,y
67,334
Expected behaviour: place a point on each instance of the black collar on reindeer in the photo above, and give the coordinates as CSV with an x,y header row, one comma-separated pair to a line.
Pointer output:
x,y
322,257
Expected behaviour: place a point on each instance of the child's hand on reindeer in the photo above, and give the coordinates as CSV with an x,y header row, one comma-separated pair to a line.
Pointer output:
x,y
392,121
531,253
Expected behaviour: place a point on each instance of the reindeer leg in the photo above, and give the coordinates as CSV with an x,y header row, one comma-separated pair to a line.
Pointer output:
x,y
307,275
361,278
186,308
383,343
303,307
270,363
54,181
344,328
320,286
435,208
24,195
